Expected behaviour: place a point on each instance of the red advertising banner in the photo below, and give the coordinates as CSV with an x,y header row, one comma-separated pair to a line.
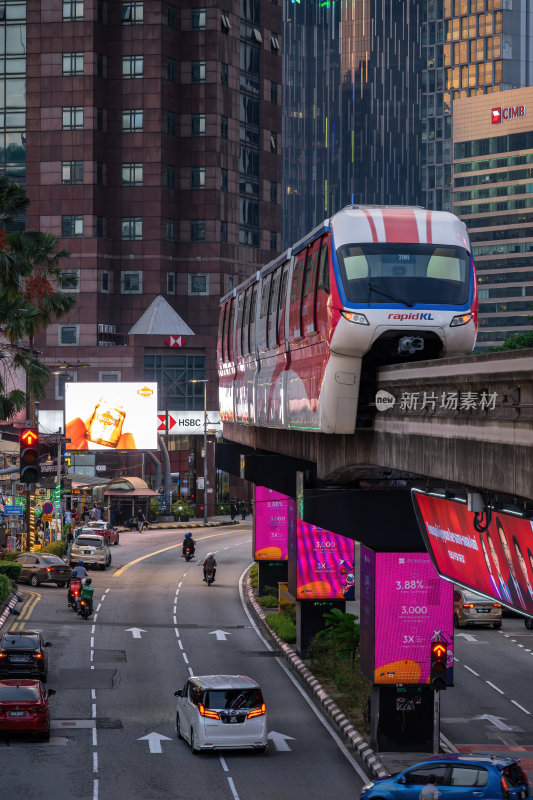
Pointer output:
x,y
497,562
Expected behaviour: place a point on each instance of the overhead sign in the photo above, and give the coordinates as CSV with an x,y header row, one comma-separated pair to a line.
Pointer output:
x,y
187,423
175,341
111,416
497,562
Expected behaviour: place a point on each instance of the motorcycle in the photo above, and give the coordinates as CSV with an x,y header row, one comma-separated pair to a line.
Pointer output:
x,y
85,609
209,576
188,552
73,593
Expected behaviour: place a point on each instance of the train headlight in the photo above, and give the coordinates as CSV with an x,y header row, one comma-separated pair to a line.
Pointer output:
x,y
460,319
352,316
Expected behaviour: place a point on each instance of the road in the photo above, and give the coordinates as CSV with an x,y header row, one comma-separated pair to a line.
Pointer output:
x,y
491,707
154,625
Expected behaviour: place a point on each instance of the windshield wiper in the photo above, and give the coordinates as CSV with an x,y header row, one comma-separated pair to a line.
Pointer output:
x,y
375,289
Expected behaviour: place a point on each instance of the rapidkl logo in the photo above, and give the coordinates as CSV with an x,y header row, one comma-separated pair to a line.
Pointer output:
x,y
510,112
412,316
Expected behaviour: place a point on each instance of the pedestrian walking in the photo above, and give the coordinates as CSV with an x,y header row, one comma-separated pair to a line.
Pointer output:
x,y
242,508
141,520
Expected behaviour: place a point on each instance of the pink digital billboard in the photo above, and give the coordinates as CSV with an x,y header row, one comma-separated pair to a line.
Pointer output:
x,y
272,516
324,564
412,604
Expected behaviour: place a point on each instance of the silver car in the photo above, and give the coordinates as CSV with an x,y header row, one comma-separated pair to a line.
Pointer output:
x,y
92,550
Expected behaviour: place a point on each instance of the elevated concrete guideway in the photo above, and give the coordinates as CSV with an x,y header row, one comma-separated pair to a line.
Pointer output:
x,y
466,421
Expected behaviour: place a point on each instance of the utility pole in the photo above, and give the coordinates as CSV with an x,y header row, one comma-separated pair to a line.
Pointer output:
x,y
58,478
205,452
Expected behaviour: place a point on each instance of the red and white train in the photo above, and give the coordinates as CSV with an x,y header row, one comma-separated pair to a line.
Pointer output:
x,y
384,284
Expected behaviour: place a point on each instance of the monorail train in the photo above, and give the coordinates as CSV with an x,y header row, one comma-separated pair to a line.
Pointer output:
x,y
385,284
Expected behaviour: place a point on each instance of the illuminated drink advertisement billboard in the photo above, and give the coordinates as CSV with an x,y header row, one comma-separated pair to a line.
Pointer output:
x,y
111,416
497,562
273,513
408,603
325,563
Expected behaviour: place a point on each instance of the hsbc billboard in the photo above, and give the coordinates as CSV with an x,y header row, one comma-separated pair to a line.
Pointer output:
x,y
506,113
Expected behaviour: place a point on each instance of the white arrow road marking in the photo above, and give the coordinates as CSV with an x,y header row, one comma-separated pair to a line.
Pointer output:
x,y
136,632
468,637
154,741
279,740
498,721
221,635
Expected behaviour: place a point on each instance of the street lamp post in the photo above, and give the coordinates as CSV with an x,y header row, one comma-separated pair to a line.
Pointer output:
x,y
205,445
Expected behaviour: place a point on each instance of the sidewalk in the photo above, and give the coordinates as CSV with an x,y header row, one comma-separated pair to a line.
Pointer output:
x,y
212,522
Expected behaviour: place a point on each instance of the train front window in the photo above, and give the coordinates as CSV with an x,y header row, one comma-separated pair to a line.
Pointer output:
x,y
405,273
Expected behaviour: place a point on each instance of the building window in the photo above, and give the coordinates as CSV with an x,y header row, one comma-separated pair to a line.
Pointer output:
x,y
273,192
197,230
71,227
198,19
171,122
223,180
273,142
223,231
132,228
170,176
72,12
171,282
105,281
170,230
109,377
69,280
132,66
274,42
69,334
198,178
171,16
171,69
99,227
223,127
198,283
132,13
274,93
224,74
132,120
225,24
61,380
198,71
72,172
132,174
177,371
131,282
72,118
72,64
273,241
198,125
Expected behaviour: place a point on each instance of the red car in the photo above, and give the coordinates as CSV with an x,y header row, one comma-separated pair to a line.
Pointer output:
x,y
25,707
102,528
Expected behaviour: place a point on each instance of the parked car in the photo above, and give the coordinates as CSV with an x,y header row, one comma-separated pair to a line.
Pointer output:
x,y
43,568
25,707
24,653
459,777
470,608
92,549
221,711
104,529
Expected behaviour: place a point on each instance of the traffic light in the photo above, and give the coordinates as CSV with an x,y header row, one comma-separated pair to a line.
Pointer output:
x,y
29,456
439,655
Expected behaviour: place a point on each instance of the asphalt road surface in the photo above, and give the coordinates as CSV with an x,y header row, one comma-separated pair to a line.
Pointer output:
x,y
113,717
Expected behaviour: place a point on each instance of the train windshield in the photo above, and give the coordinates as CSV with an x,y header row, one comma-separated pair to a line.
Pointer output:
x,y
405,273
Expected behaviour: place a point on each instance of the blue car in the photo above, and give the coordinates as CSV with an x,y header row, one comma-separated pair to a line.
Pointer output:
x,y
470,776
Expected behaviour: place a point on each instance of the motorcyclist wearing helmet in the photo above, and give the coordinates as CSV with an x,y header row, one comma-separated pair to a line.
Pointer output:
x,y
81,571
74,579
188,543
210,563
86,593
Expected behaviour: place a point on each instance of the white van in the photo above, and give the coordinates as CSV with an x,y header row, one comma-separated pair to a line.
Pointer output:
x,y
221,711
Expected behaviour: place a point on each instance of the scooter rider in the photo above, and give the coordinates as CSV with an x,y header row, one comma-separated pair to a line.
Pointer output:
x,y
77,583
210,563
81,571
188,544
86,593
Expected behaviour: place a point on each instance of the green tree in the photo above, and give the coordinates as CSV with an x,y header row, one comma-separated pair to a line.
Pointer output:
x,y
29,301
343,630
519,341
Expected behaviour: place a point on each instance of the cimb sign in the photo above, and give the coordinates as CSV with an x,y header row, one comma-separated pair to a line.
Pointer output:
x,y
503,114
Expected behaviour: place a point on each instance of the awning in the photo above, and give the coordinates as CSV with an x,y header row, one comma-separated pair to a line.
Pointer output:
x,y
132,493
129,487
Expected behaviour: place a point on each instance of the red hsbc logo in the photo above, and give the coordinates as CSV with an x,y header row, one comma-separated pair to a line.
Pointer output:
x,y
175,341
510,112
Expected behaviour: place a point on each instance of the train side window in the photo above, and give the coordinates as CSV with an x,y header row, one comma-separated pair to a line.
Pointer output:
x,y
251,330
273,310
265,294
244,322
310,274
238,332
323,272
280,322
230,329
225,333
221,318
